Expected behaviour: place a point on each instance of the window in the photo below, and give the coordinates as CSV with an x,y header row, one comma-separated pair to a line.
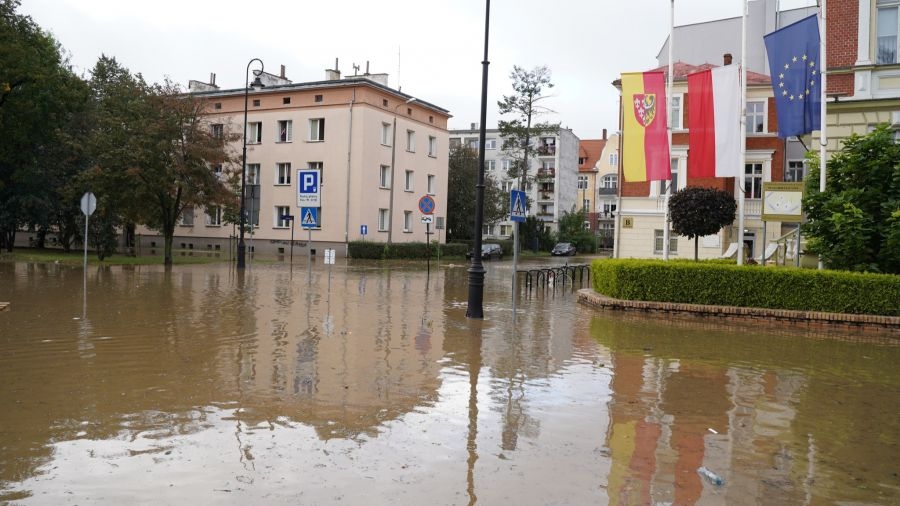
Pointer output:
x,y
663,185
490,165
432,145
582,160
285,128
318,98
280,216
214,216
286,100
254,133
386,134
609,181
431,181
658,242
255,102
886,31
408,181
548,165
407,221
506,186
472,143
217,169
187,217
217,105
506,165
487,230
547,146
382,219
582,182
796,171
490,144
317,129
411,141
252,173
614,159
217,130
384,176
586,204
676,112
506,230
384,102
753,180
283,173
756,117
609,208
455,142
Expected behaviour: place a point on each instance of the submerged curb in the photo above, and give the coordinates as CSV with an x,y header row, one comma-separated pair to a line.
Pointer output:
x,y
808,319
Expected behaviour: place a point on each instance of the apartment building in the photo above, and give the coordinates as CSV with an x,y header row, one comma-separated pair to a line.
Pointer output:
x,y
607,191
553,174
589,151
377,152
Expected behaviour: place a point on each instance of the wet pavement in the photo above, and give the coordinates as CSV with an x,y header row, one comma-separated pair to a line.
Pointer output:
x,y
365,383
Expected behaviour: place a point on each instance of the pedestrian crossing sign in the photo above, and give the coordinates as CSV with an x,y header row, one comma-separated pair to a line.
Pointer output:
x,y
309,217
517,205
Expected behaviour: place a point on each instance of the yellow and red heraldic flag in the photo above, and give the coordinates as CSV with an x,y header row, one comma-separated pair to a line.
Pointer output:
x,y
645,136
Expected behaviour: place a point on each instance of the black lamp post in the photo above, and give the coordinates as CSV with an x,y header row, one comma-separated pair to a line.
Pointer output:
x,y
242,248
290,218
476,270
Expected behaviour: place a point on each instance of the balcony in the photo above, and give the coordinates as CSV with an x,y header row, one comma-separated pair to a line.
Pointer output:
x,y
606,191
546,150
545,196
546,173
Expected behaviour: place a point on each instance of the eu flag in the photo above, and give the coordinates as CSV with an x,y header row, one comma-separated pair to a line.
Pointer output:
x,y
795,67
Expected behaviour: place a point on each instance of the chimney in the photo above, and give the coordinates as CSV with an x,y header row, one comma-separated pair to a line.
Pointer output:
x,y
604,134
212,78
282,72
727,58
475,126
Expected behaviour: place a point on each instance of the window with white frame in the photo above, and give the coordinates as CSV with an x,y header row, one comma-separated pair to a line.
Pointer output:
x,y
384,176
386,134
254,132
663,185
490,165
756,117
472,143
753,178
490,144
658,242
214,216
252,173
886,31
281,213
487,230
411,141
408,181
382,219
217,130
505,230
432,145
506,186
609,181
614,159
283,173
285,130
609,208
317,129
455,142
407,221
505,165
582,182
187,217
795,172
676,112
431,182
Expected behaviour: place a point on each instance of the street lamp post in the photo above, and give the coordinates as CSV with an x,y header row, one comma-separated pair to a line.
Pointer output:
x,y
290,218
393,157
242,248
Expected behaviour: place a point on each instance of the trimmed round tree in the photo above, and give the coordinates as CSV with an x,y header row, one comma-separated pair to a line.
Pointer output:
x,y
695,211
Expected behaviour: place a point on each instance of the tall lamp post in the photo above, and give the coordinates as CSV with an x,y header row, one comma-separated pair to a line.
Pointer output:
x,y
257,84
393,157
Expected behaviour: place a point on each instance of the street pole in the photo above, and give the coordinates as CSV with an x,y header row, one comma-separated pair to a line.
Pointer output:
x,y
476,270
242,247
390,230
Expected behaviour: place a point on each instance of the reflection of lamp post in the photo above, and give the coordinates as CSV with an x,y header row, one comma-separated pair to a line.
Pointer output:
x,y
393,155
241,256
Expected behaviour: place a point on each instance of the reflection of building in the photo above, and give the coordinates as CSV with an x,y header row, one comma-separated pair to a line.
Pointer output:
x,y
378,151
552,174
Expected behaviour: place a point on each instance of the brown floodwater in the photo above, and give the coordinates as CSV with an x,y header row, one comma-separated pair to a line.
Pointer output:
x,y
365,383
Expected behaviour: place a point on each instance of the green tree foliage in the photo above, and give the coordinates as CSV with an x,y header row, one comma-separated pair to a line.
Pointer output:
x,y
462,178
571,229
855,223
524,107
696,212
40,100
535,235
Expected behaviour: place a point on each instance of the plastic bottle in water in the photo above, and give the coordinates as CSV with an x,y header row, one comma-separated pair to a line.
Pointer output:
x,y
712,477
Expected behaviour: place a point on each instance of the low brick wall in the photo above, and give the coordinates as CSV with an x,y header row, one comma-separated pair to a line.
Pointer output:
x,y
801,319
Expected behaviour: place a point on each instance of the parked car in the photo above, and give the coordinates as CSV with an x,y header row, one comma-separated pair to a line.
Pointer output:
x,y
563,249
489,251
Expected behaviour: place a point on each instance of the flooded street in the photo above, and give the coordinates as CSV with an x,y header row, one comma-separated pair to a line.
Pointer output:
x,y
365,383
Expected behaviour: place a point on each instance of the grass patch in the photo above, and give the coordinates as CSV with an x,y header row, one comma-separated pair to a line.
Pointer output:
x,y
77,258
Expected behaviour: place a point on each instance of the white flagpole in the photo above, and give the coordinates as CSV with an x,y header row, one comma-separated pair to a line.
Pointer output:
x,y
823,130
669,128
739,183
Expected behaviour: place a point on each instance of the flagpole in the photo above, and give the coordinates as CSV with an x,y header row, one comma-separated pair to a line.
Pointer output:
x,y
669,128
739,184
823,120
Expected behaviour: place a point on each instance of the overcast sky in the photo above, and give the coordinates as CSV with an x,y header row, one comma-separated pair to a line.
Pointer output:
x,y
432,49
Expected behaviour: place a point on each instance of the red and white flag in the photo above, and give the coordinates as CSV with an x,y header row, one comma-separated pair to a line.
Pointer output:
x,y
714,115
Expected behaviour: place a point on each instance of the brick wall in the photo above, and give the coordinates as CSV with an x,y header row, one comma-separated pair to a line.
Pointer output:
x,y
843,30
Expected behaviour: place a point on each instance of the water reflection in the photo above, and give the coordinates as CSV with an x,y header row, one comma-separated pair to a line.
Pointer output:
x,y
365,383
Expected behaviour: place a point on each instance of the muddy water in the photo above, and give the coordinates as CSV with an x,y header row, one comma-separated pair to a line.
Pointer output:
x,y
366,384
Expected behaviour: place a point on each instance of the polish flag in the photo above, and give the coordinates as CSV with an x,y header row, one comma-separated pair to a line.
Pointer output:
x,y
714,115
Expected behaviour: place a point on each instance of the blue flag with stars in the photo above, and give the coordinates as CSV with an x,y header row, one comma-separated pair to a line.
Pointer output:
x,y
795,67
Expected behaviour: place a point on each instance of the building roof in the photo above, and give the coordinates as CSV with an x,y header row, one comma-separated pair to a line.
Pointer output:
x,y
590,150
681,70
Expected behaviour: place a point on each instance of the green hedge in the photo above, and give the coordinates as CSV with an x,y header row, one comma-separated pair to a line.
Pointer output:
x,y
405,250
747,286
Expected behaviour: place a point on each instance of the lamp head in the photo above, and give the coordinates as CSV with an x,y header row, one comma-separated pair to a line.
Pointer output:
x,y
257,83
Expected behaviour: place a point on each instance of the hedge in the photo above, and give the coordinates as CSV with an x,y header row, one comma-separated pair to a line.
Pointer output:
x,y
403,250
721,284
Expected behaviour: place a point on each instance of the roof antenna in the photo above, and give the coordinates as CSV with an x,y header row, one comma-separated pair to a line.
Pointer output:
x,y
355,69
399,87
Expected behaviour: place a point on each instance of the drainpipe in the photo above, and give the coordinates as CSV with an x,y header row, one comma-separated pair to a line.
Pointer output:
x,y
347,206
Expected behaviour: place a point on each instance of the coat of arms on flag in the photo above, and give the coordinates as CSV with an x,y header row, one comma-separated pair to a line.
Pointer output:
x,y
645,108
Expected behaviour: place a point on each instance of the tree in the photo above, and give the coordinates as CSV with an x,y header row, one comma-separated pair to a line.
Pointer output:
x,y
696,211
524,107
462,178
855,223
535,234
571,229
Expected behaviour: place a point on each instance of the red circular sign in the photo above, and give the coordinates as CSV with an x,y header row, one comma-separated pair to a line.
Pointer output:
x,y
426,204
